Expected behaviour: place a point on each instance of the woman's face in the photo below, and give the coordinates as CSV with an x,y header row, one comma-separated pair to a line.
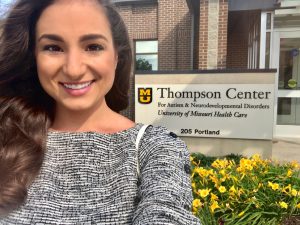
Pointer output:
x,y
75,55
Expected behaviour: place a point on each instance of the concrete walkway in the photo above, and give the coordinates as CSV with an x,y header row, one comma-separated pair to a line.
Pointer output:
x,y
286,149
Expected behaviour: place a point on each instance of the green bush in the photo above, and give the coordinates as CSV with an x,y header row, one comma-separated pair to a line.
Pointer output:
x,y
208,160
237,190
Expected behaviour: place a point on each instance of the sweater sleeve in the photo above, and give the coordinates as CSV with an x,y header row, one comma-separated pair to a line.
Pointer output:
x,y
165,194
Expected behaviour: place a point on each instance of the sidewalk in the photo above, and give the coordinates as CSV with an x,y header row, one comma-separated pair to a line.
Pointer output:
x,y
286,149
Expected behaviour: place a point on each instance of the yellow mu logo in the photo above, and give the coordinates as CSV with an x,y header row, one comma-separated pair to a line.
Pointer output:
x,y
145,95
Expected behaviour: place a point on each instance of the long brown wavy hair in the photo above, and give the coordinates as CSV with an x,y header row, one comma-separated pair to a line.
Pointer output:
x,y
26,110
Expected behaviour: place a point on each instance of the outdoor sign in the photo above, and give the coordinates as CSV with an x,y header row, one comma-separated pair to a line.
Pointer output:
x,y
208,110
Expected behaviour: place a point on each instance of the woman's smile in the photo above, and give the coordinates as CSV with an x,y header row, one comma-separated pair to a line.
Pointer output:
x,y
78,88
76,56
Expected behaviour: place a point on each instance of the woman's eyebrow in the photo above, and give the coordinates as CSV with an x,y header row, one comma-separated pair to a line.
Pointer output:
x,y
83,38
88,37
52,37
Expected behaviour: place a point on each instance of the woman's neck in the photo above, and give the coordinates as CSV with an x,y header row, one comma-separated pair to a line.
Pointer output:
x,y
82,120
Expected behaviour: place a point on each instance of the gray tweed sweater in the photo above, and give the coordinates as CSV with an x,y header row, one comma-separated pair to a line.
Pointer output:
x,y
91,178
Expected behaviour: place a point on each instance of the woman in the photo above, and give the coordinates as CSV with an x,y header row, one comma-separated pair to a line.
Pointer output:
x,y
66,155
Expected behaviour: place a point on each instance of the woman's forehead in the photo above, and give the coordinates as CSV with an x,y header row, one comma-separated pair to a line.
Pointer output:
x,y
75,16
77,1
70,4
77,8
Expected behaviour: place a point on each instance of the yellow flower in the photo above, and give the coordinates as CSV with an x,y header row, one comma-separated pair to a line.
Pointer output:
x,y
232,189
274,186
222,189
220,164
197,170
289,173
215,164
214,206
298,205
249,167
197,203
283,205
203,192
241,191
258,161
245,162
294,192
256,157
211,172
193,185
239,169
241,214
287,189
203,172
295,164
214,179
191,158
223,179
223,173
213,197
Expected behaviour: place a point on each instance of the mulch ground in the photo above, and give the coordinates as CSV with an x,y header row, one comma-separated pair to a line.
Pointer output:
x,y
295,220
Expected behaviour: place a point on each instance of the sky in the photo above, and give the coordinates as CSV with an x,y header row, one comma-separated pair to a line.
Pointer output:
x,y
4,5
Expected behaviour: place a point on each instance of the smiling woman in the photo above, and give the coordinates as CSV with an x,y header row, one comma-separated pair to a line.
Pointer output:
x,y
66,155
76,61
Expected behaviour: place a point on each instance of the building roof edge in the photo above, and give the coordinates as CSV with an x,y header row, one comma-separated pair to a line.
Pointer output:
x,y
132,1
206,71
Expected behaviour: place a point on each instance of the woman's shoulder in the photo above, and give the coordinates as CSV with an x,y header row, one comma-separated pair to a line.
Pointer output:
x,y
162,150
161,135
159,139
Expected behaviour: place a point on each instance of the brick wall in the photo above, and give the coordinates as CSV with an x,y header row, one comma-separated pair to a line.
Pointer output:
x,y
174,35
196,37
169,21
238,30
141,21
184,36
211,36
203,35
222,38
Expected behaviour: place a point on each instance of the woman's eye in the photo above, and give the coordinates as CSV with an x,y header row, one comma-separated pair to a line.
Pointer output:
x,y
94,47
52,48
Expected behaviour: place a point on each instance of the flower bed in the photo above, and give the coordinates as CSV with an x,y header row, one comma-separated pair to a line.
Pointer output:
x,y
244,191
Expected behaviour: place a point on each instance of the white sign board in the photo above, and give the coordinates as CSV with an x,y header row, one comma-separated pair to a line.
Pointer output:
x,y
208,110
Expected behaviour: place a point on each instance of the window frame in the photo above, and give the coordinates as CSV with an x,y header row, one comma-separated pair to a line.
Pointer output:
x,y
147,53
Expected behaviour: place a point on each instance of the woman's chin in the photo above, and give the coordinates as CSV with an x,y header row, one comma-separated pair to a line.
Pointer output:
x,y
78,107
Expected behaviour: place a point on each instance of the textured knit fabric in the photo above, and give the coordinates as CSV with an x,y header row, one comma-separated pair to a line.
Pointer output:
x,y
91,178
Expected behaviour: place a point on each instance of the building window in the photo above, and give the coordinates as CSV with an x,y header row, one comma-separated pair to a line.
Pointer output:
x,y
146,55
253,44
266,30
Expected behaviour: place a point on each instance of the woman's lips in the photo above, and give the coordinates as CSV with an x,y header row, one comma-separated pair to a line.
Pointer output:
x,y
77,89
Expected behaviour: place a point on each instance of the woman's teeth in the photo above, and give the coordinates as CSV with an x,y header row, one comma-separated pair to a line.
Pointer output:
x,y
77,86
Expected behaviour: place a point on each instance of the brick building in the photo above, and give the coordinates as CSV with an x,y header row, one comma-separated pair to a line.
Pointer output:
x,y
221,34
193,34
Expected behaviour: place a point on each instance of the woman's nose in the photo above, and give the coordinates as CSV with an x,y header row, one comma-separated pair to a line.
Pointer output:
x,y
74,66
